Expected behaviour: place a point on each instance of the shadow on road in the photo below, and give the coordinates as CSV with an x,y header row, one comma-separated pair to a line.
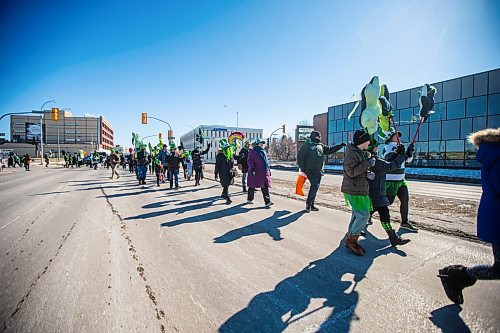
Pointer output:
x,y
448,319
333,278
270,225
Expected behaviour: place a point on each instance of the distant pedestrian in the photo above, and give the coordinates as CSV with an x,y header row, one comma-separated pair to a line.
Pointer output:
x,y
224,164
197,155
142,165
131,162
46,158
162,156
159,172
114,161
310,159
376,179
396,185
242,161
456,277
27,161
259,173
355,187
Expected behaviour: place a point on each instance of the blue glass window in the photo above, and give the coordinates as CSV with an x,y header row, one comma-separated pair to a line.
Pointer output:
x,y
332,126
456,109
494,104
337,138
451,129
435,131
480,84
438,97
478,123
338,112
405,115
403,99
331,113
414,96
452,90
465,127
476,106
349,124
467,86
439,112
340,125
455,149
494,85
494,121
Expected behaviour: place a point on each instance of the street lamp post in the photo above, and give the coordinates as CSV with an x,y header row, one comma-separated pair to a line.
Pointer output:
x,y
58,144
41,129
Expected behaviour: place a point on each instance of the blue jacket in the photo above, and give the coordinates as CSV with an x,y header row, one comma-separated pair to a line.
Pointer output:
x,y
488,216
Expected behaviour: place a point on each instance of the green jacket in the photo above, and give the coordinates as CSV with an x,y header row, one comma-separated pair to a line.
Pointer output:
x,y
311,155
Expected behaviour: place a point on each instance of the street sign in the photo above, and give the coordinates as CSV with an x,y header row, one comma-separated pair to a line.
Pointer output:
x,y
2,134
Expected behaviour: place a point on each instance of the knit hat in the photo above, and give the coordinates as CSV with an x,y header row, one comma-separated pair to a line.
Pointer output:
x,y
315,134
258,141
389,137
360,137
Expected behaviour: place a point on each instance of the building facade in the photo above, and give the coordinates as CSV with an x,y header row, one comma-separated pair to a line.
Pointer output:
x,y
213,133
94,132
462,106
320,123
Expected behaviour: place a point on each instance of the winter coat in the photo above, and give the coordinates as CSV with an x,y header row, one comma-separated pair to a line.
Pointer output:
x,y
224,169
377,185
197,156
311,156
113,160
356,167
243,159
262,176
173,161
162,156
389,154
142,158
488,154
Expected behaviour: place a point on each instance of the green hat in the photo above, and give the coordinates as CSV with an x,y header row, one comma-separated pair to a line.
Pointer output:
x,y
391,134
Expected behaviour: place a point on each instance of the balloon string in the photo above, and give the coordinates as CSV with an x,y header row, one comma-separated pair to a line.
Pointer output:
x,y
395,129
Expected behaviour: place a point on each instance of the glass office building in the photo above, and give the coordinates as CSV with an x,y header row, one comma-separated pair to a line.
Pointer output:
x,y
462,106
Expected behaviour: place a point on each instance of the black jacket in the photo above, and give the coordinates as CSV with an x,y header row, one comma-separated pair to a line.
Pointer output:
x,y
377,185
197,154
223,168
173,162
311,155
243,160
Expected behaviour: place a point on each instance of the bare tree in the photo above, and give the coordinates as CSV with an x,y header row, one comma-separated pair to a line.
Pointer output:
x,y
305,122
282,149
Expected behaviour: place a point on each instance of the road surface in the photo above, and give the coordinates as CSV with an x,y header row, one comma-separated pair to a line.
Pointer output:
x,y
83,253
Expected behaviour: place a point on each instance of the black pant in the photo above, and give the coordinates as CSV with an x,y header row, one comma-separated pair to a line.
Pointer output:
x,y
404,198
225,192
265,194
383,213
315,180
157,179
197,175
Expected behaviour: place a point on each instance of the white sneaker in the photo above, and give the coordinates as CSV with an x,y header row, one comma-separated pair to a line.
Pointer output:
x,y
249,202
269,204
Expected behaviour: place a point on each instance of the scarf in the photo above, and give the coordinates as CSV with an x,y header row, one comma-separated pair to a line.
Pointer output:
x,y
262,155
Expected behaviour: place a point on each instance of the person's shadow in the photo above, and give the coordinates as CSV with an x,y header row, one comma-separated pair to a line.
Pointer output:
x,y
327,278
448,319
269,225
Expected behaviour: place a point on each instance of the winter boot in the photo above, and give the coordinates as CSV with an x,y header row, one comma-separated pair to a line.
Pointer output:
x,y
454,279
395,239
351,241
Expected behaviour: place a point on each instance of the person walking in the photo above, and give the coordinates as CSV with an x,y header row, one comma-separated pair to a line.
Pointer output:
x,y
131,162
396,185
243,164
457,277
355,187
197,155
114,161
27,161
224,164
141,169
310,160
173,167
162,156
380,202
259,173
46,159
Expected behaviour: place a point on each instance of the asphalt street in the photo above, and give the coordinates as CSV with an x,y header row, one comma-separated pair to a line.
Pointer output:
x,y
83,253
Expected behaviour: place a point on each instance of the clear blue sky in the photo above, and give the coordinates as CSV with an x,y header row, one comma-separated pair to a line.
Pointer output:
x,y
274,62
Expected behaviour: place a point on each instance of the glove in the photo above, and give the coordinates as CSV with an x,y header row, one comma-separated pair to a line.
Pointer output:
x,y
370,175
343,144
400,150
372,161
410,151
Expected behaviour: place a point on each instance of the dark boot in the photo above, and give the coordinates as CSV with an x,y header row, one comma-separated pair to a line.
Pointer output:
x,y
351,242
454,279
395,239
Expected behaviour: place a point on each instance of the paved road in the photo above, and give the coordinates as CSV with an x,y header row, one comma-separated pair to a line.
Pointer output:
x,y
82,253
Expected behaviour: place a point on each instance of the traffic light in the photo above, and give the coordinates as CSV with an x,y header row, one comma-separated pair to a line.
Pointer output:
x,y
283,129
170,134
159,136
55,114
144,118
268,142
